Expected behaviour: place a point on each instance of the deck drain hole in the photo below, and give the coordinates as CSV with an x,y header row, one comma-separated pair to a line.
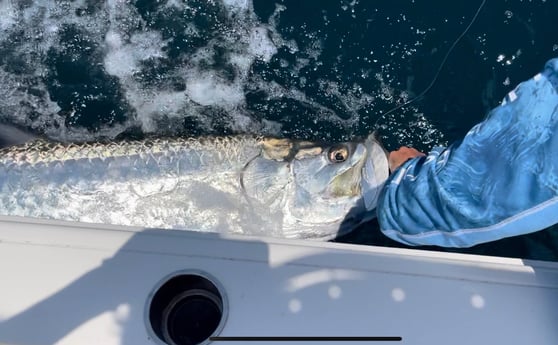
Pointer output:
x,y
186,310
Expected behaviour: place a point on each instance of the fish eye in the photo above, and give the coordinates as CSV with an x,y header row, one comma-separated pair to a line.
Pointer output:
x,y
338,154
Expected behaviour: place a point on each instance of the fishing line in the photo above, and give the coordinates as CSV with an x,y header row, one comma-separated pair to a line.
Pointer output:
x,y
420,95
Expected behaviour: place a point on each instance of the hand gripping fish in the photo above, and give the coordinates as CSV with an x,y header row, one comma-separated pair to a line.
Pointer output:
x,y
237,184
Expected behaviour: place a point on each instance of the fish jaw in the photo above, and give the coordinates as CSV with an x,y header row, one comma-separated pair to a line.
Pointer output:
x,y
374,172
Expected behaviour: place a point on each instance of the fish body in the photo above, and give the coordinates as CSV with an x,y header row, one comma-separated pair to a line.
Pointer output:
x,y
236,184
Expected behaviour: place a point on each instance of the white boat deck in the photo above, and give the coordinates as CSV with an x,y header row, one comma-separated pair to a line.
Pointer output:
x,y
70,283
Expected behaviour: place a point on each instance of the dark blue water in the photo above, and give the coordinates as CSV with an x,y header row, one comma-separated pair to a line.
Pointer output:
x,y
327,70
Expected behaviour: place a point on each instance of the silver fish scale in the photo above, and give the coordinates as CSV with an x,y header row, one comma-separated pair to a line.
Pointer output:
x,y
231,149
163,183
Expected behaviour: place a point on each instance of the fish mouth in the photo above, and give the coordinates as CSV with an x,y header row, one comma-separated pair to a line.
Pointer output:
x,y
375,171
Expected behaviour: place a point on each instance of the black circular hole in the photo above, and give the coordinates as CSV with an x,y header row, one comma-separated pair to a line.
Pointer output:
x,y
190,318
186,310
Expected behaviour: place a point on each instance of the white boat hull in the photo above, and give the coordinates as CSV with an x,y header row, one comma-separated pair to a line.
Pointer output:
x,y
71,283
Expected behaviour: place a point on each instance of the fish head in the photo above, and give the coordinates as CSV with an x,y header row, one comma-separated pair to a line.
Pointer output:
x,y
334,187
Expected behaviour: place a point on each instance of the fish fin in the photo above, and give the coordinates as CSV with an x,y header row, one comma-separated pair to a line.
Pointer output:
x,y
11,135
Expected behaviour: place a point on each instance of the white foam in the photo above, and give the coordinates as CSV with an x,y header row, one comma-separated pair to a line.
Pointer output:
x,y
243,62
260,44
179,4
152,105
113,40
208,89
131,50
8,17
126,50
122,60
238,5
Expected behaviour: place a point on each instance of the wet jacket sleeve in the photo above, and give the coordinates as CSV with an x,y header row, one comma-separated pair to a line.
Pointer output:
x,y
501,180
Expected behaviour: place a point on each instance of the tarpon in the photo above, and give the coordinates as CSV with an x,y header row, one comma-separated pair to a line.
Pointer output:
x,y
237,184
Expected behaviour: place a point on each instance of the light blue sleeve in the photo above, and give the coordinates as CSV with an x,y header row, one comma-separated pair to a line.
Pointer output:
x,y
501,180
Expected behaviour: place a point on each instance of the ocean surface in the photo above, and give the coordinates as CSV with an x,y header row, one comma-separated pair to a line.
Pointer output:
x,y
318,70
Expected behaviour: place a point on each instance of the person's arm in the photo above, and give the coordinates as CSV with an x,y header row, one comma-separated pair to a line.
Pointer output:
x,y
501,180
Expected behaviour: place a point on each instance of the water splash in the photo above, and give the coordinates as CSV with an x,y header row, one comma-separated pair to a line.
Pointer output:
x,y
82,70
